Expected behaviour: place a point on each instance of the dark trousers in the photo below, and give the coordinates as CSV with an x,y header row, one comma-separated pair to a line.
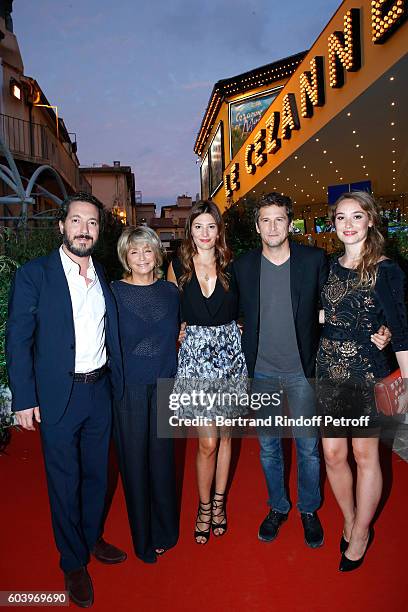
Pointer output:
x,y
76,461
146,464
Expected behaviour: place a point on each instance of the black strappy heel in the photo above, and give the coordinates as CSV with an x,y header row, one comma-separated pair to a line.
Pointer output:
x,y
203,511
218,510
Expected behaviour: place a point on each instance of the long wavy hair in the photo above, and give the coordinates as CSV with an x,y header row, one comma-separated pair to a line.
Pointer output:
x,y
188,249
373,248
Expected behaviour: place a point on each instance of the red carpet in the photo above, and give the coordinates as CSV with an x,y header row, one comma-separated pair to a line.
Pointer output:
x,y
236,572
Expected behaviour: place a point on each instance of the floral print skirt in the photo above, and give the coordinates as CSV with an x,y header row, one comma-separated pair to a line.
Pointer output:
x,y
212,369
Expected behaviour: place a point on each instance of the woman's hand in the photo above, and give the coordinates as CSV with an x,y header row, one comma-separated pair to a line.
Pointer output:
x,y
381,338
182,332
321,316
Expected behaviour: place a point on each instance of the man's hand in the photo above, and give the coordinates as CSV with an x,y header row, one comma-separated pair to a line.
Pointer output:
x,y
182,333
25,418
382,338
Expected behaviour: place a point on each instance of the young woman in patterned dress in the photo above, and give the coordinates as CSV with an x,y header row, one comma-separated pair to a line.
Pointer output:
x,y
364,291
210,357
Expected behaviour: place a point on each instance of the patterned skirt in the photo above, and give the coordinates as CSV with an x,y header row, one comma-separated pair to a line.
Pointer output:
x,y
212,372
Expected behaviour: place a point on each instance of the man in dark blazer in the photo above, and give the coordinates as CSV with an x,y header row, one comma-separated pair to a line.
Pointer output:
x,y
279,288
64,361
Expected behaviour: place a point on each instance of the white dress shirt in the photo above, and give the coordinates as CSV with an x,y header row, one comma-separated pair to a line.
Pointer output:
x,y
88,309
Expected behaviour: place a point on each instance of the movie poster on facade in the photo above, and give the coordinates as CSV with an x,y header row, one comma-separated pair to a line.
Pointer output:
x,y
205,178
216,164
245,114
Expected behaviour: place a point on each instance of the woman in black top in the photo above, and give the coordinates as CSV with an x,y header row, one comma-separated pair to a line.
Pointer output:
x,y
148,309
364,290
210,357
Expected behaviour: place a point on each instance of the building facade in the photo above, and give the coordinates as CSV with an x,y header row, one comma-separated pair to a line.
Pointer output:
x,y
114,186
145,213
32,130
170,225
316,124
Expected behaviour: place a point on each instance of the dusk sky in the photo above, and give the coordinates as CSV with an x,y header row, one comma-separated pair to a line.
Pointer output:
x,y
132,79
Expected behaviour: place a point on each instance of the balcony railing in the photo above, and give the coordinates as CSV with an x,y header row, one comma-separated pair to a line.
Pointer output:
x,y
36,143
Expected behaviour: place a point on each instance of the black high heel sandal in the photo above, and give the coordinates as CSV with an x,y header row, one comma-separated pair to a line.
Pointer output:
x,y
218,510
348,565
203,512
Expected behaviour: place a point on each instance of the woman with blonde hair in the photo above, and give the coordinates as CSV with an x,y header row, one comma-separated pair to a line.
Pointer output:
x,y
210,357
364,290
148,309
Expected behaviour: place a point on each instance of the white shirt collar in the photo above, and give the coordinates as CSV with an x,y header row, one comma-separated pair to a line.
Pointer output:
x,y
71,267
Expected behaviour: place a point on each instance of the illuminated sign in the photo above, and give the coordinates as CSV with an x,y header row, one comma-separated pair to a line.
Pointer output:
x,y
385,18
231,180
344,55
345,49
312,87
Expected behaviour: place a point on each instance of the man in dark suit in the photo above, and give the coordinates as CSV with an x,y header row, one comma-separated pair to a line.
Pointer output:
x,y
279,288
64,361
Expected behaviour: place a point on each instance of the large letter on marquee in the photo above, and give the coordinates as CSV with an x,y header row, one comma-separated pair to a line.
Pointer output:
x,y
249,164
344,49
227,185
290,117
259,141
231,181
235,177
273,143
312,87
386,16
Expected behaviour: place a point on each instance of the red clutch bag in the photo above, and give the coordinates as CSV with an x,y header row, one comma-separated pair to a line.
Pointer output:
x,y
387,392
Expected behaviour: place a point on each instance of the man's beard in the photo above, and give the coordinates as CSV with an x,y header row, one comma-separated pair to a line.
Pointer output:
x,y
79,251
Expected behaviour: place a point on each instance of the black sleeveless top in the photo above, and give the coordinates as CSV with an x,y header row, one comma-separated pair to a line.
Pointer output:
x,y
220,308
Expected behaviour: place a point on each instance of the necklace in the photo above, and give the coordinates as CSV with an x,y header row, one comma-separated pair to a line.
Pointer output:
x,y
206,277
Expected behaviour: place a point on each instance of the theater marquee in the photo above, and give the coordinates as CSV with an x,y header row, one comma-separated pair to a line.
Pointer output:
x,y
343,54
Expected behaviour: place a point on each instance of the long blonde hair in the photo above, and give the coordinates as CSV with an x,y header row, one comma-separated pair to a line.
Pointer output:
x,y
373,248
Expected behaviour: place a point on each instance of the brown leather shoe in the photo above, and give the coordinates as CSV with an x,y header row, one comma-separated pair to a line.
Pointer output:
x,y
107,553
79,586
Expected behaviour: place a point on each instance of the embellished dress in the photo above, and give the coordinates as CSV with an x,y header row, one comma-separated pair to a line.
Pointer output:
x,y
348,363
210,357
